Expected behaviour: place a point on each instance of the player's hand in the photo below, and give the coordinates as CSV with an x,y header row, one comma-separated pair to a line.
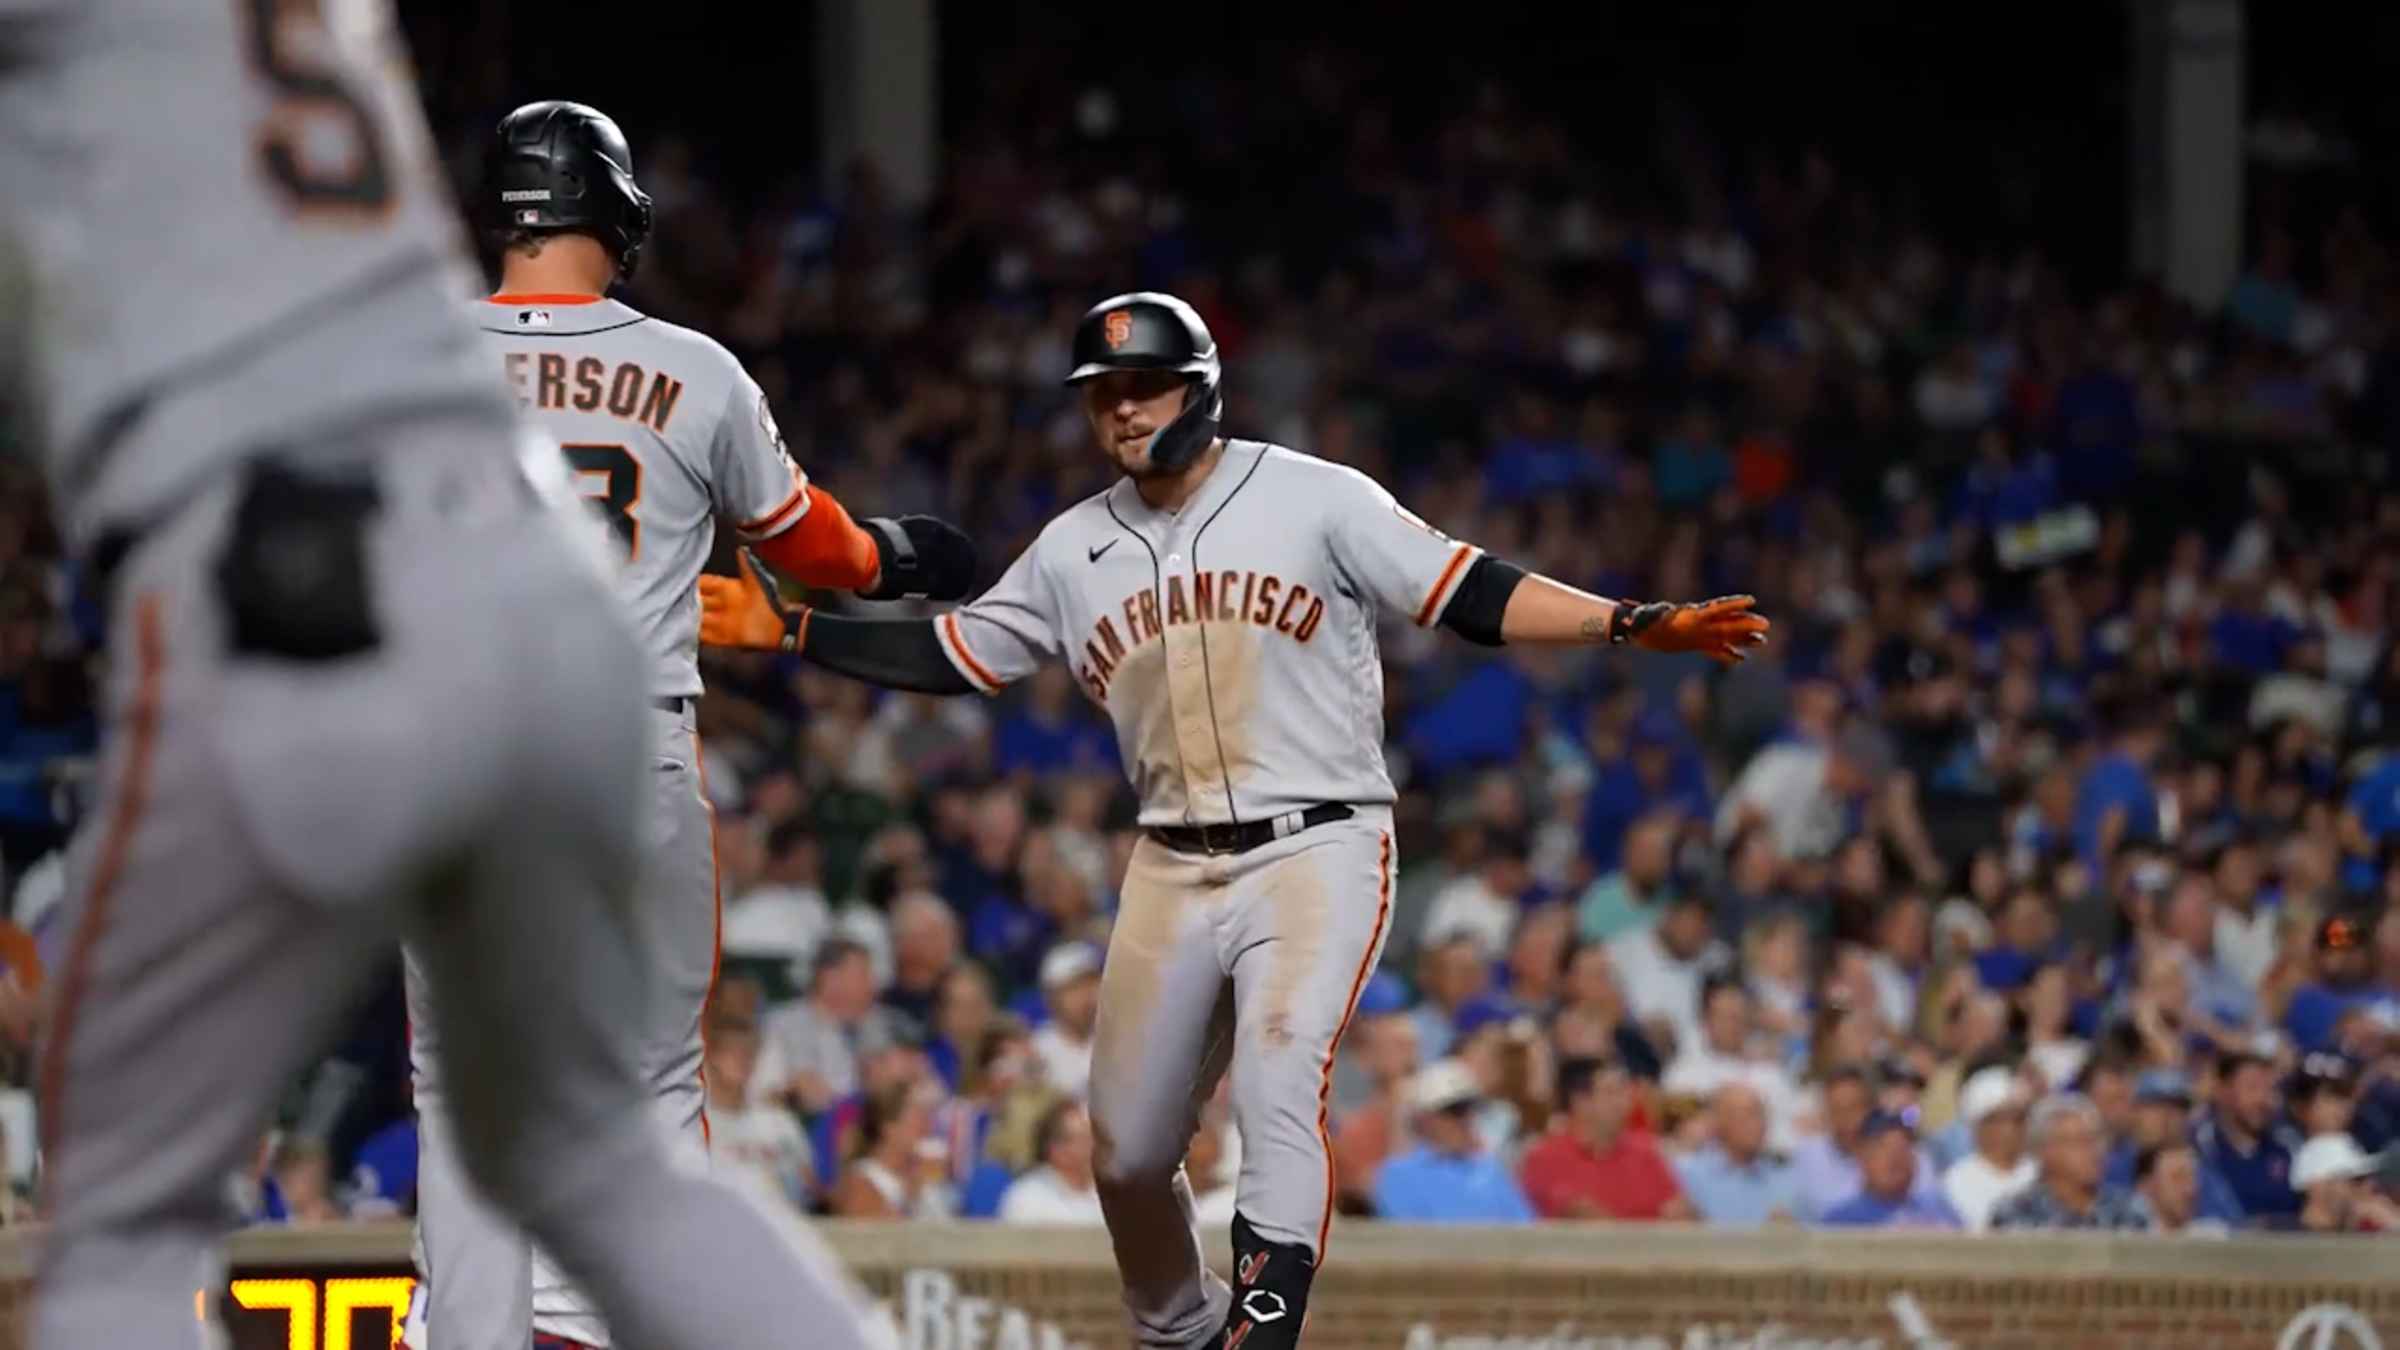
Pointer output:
x,y
1723,629
742,611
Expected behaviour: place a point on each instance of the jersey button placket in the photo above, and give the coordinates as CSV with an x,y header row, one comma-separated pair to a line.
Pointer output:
x,y
1187,693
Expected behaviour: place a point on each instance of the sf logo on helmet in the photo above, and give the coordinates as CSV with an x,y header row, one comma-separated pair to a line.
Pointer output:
x,y
1118,328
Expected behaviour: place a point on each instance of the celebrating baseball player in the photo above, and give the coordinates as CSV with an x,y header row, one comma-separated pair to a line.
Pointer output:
x,y
665,434
1220,602
366,679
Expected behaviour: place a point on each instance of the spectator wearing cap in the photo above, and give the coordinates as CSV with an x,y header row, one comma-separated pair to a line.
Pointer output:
x,y
1485,903
2162,1115
2166,1187
1829,1164
1592,1164
1660,778
2069,1191
1638,891
1726,1053
2335,1178
2342,978
1662,968
1061,1189
1992,1105
1071,994
2323,1095
1734,1180
1888,1195
1382,1050
1451,972
809,1054
1449,1177
2246,1140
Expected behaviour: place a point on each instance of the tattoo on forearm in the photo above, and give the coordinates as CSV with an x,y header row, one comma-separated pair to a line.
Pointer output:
x,y
1595,629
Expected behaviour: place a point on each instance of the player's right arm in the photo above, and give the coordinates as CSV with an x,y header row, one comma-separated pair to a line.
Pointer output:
x,y
980,648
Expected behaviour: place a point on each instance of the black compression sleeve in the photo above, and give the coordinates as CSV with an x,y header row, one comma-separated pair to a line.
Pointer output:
x,y
894,653
1481,598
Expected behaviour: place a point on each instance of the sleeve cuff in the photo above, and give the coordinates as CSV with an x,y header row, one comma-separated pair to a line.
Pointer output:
x,y
954,646
786,514
1446,585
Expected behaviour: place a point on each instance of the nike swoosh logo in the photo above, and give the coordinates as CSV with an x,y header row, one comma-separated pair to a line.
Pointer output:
x,y
1103,549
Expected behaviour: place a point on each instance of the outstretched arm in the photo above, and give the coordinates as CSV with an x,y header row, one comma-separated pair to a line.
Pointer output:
x,y
1540,610
745,611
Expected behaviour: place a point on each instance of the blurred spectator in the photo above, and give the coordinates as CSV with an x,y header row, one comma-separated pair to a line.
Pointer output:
x,y
1537,958
1451,970
1724,1053
1888,1195
1449,1177
1213,1166
1386,1045
963,1014
2334,1179
1828,1164
1071,993
925,944
1485,904
2069,1143
809,1057
2167,1190
2323,1095
2162,1117
2244,1138
899,1168
1592,1165
1732,1179
759,1148
1992,1104
2343,977
1635,894
1662,968
2051,1046
785,915
1061,1189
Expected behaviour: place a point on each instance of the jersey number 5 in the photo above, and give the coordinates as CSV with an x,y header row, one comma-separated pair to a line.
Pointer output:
x,y
612,481
288,45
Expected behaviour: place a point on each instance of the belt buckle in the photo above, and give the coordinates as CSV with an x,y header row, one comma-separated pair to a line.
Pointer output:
x,y
1210,835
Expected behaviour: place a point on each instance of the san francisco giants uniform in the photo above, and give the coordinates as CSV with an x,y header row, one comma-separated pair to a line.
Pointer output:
x,y
367,678
665,434
1233,644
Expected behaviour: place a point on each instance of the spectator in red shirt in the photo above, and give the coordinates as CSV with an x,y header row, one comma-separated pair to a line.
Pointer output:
x,y
1590,1165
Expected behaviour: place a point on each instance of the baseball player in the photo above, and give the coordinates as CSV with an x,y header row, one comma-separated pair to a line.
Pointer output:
x,y
1220,602
367,679
666,434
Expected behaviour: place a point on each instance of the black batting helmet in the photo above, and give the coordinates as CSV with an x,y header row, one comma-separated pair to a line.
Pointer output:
x,y
559,166
1151,330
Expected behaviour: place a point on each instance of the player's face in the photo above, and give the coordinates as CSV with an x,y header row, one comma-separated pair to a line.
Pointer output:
x,y
1127,408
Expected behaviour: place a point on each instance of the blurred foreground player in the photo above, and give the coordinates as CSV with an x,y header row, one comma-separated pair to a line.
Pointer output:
x,y
367,679
1220,601
666,434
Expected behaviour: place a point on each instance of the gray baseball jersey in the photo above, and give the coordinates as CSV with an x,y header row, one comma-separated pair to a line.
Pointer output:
x,y
665,432
1231,642
232,252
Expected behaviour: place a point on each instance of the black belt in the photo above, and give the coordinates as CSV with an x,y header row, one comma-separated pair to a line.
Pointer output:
x,y
672,705
1247,835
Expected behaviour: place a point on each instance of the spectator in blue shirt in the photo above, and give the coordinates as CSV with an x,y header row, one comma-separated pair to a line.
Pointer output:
x,y
2162,1118
2118,799
2246,1139
1733,1179
1888,1196
1660,770
1449,1177
2344,970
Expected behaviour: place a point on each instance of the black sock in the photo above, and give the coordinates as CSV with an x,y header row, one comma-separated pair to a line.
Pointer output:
x,y
1270,1292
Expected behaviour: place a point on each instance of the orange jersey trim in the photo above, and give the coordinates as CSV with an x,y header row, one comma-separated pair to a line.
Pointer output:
x,y
542,298
785,513
133,799
716,955
1358,985
1432,607
958,647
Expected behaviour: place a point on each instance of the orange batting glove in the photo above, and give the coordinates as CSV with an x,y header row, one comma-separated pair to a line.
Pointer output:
x,y
746,611
1724,629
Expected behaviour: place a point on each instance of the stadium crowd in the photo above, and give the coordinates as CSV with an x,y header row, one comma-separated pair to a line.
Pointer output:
x,y
2044,873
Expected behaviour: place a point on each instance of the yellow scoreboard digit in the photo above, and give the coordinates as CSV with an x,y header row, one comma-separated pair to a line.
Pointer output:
x,y
312,1311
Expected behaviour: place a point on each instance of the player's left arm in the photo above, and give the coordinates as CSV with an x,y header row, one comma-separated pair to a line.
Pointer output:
x,y
805,533
1411,568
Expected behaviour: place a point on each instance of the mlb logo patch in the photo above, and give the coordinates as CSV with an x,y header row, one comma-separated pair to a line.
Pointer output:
x,y
533,318
529,216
